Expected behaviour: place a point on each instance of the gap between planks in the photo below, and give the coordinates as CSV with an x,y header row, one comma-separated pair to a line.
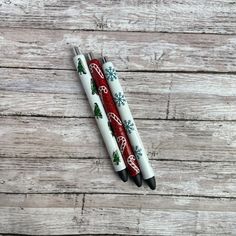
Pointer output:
x,y
127,71
91,117
86,193
121,31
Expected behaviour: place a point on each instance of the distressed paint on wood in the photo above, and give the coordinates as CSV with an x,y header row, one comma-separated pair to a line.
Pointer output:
x,y
72,214
37,175
59,93
128,51
150,95
156,16
48,155
37,137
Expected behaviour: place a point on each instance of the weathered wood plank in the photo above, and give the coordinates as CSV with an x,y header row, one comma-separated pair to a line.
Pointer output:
x,y
128,51
59,93
125,214
202,96
150,95
79,138
37,175
39,214
158,16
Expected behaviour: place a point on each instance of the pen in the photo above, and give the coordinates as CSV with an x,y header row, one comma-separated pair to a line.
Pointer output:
x,y
128,121
115,120
99,113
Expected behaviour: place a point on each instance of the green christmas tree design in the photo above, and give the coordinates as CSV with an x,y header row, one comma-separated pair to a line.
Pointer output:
x,y
93,87
110,127
116,157
97,111
80,67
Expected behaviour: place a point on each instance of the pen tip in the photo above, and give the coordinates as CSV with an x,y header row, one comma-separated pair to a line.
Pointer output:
x,y
123,175
138,180
151,183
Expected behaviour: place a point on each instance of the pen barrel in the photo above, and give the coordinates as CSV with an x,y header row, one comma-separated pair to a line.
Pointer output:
x,y
114,117
99,112
127,119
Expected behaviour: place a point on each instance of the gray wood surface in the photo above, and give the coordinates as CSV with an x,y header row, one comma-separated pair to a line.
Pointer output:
x,y
144,214
177,65
130,51
151,95
189,16
44,137
37,175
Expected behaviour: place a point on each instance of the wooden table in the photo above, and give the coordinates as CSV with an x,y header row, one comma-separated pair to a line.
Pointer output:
x,y
177,63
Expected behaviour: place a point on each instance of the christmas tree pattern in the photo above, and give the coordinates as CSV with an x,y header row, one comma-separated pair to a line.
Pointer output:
x,y
111,73
119,99
93,87
116,157
129,126
80,67
138,152
110,127
97,111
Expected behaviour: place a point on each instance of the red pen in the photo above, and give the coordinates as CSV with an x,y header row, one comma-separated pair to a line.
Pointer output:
x,y
115,120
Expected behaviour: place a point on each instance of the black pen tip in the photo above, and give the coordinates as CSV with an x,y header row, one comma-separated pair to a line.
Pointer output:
x,y
151,183
138,180
123,175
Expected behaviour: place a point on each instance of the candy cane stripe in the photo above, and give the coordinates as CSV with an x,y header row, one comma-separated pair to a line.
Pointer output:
x,y
122,143
95,67
114,117
130,161
103,89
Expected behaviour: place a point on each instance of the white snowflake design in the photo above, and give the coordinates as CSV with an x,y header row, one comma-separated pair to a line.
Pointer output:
x,y
119,99
138,152
129,126
111,73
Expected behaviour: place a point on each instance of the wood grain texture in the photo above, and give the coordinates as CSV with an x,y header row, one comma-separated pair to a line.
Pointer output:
x,y
150,95
177,65
50,175
156,16
144,214
59,93
129,51
79,138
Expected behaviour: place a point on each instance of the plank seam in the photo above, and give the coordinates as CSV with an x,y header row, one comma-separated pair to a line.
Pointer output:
x,y
91,117
130,70
104,30
98,158
83,204
168,99
125,193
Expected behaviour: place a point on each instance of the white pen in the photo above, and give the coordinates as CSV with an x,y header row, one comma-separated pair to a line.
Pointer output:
x,y
99,113
128,121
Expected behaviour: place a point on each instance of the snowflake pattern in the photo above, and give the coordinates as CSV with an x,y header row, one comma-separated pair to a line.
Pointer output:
x,y
111,73
119,99
138,152
129,126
